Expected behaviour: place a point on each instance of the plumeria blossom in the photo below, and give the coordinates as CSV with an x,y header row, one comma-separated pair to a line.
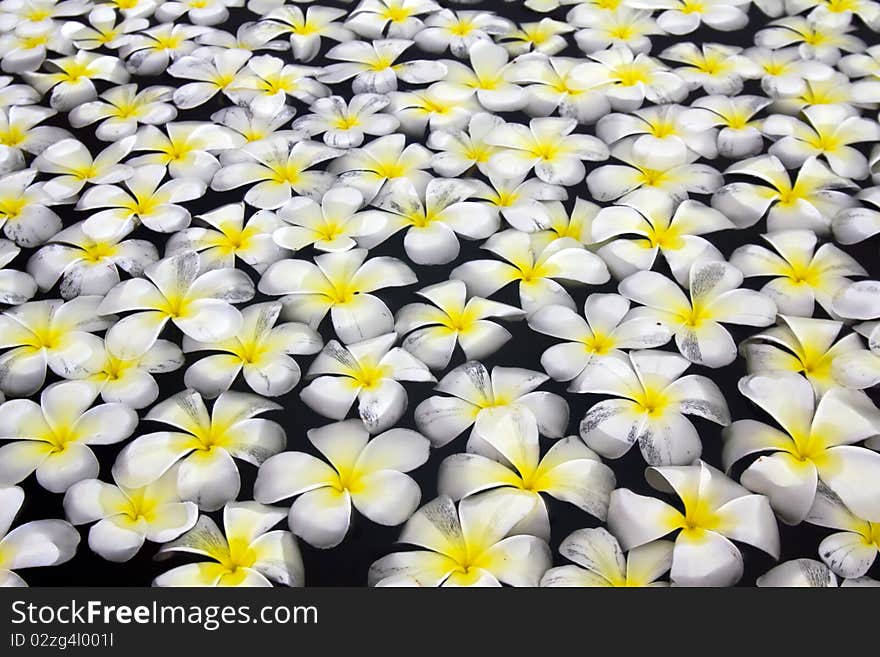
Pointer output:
x,y
103,29
807,202
253,127
441,106
622,27
604,330
151,51
203,444
718,69
199,12
783,70
715,298
373,69
367,473
629,78
121,109
658,226
829,131
186,148
488,77
25,49
716,510
543,36
815,39
433,220
345,124
127,517
173,290
817,443
384,159
475,544
432,331
20,134
340,283
536,264
601,562
48,333
33,544
475,392
458,31
576,224
677,179
15,286
546,145
504,452
851,550
394,18
71,78
370,372
260,351
73,166
130,381
652,399
267,81
16,94
88,266
226,236
808,346
278,170
53,438
25,216
457,151
145,200
306,29
522,202
739,133
211,74
248,552
804,274
685,16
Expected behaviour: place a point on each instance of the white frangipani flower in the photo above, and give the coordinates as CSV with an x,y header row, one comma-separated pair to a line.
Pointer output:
x,y
374,19
684,16
245,553
716,510
306,29
20,134
172,289
266,82
459,30
151,51
652,399
717,68
260,350
605,330
715,298
522,202
370,372
475,392
54,437
432,331
126,517
340,283
212,74
816,444
121,109
489,78
601,562
186,149
852,550
73,166
473,545
24,215
344,124
364,472
33,544
204,446
739,133
71,79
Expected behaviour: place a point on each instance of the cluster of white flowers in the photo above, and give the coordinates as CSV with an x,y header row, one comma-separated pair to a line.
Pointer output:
x,y
220,217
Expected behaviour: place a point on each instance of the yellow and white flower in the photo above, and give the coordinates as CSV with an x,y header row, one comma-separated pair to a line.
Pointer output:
x,y
362,472
87,266
49,333
151,51
278,169
24,215
715,298
126,517
374,19
551,85
227,236
121,109
173,290
187,148
332,225
476,544
503,452
807,202
199,12
535,263
817,443
260,350
684,16
458,150
370,372
601,562
716,509
20,134
543,36
717,68
384,159
604,331
850,552
214,72
522,202
103,31
804,274
344,124
246,553
474,392
33,544
266,82
306,29
441,106
204,446
459,30
73,166
807,346
739,134
71,78
815,39
652,399
53,438
489,78
622,27
340,283
548,146
432,331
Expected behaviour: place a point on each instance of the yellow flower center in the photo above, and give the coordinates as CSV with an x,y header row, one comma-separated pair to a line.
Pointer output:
x,y
630,75
346,122
11,207
98,251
